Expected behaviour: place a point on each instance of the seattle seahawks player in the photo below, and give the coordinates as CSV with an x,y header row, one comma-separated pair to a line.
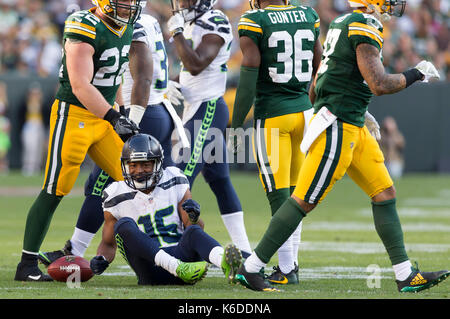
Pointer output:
x,y
82,121
202,38
152,219
145,83
338,142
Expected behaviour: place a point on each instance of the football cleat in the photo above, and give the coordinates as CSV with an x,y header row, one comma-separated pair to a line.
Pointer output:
x,y
419,280
30,272
231,261
46,258
280,278
192,272
254,281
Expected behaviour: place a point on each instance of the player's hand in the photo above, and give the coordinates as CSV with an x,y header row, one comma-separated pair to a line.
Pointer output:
x,y
372,125
192,208
136,113
174,93
123,126
99,264
428,70
234,143
175,24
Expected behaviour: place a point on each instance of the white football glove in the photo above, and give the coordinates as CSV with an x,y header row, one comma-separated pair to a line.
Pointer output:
x,y
175,24
136,113
428,70
174,93
234,143
372,125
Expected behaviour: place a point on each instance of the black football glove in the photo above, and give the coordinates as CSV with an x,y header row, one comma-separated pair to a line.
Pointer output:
x,y
123,126
192,208
99,265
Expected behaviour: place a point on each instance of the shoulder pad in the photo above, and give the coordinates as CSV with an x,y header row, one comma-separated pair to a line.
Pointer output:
x,y
214,20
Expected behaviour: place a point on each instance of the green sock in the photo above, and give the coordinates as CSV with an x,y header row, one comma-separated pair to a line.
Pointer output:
x,y
388,227
283,223
277,198
38,220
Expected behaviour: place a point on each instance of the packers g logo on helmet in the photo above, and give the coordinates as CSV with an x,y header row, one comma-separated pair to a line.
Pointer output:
x,y
391,7
111,8
254,4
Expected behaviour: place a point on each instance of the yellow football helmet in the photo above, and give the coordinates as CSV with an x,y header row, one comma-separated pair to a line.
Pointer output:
x,y
254,4
391,7
114,8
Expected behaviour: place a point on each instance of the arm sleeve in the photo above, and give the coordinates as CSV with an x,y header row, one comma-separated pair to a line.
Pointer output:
x,y
245,95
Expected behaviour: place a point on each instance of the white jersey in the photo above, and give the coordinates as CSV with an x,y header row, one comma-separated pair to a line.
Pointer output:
x,y
148,31
156,213
211,82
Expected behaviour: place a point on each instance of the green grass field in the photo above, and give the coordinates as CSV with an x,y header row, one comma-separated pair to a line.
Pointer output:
x,y
338,243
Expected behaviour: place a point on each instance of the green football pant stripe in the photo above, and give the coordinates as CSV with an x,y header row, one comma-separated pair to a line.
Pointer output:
x,y
55,162
201,137
262,158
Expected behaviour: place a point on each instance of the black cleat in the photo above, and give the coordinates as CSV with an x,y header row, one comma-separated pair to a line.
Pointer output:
x,y
47,258
30,272
254,281
280,278
419,280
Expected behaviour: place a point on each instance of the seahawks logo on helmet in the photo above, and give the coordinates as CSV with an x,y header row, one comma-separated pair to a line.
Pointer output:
x,y
142,148
121,13
192,9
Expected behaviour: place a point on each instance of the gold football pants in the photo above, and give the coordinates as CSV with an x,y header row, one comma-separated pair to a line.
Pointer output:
x,y
75,132
342,148
276,147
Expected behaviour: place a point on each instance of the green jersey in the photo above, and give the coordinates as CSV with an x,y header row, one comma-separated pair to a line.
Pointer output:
x,y
285,36
110,57
340,86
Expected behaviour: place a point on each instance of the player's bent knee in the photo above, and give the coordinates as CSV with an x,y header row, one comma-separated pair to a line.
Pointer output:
x,y
387,194
123,224
307,207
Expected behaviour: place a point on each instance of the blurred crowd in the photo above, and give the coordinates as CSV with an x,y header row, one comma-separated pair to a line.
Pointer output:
x,y
30,32
30,44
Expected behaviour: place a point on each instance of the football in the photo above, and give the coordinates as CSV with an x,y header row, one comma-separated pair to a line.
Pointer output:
x,y
75,267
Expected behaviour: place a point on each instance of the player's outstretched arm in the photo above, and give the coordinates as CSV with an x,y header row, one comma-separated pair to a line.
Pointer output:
x,y
108,246
372,70
80,68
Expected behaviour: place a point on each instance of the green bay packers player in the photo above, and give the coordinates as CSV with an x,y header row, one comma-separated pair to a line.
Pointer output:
x,y
82,120
281,53
338,142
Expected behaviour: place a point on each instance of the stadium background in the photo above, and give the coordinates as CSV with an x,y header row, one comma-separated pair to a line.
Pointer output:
x,y
30,52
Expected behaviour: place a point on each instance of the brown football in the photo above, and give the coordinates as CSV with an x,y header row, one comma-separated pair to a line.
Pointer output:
x,y
76,267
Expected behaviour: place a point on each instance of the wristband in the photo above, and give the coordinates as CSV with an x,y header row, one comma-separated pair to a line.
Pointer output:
x,y
412,75
112,116
177,31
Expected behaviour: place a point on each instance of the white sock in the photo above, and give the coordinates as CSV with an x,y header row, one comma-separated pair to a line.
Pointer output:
x,y
285,257
80,241
215,256
253,263
167,262
402,270
296,240
234,223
